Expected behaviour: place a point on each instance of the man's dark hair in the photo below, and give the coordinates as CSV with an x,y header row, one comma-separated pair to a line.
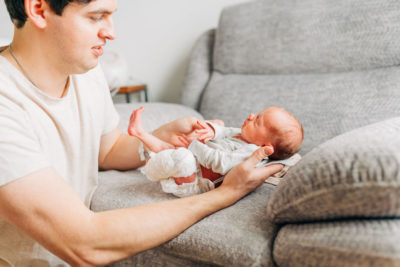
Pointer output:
x,y
16,9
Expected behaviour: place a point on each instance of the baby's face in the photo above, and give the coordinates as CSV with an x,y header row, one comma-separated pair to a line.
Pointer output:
x,y
256,128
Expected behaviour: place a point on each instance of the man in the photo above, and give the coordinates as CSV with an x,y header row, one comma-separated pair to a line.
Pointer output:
x,y
58,125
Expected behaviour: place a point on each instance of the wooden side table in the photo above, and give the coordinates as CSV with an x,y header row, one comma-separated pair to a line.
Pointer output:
x,y
127,90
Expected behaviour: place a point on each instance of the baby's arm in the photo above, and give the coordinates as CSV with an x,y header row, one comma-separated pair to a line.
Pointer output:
x,y
150,141
217,160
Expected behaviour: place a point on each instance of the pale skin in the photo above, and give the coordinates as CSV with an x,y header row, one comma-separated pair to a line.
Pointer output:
x,y
45,207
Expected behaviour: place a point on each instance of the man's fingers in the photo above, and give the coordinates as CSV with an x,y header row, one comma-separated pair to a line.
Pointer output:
x,y
258,155
268,171
184,141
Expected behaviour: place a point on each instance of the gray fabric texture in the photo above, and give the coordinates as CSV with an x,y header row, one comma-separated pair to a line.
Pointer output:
x,y
236,236
159,258
345,243
309,36
326,104
354,175
198,71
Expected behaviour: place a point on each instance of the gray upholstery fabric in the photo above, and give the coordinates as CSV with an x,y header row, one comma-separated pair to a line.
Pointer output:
x,y
308,36
345,244
356,174
199,70
326,104
236,236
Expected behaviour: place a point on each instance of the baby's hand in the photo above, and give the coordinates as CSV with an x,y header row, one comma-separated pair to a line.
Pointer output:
x,y
204,133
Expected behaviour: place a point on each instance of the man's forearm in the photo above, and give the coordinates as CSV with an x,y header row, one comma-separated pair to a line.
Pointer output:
x,y
141,228
124,155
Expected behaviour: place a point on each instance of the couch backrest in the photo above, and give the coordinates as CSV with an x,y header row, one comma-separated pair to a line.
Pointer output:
x,y
308,36
333,64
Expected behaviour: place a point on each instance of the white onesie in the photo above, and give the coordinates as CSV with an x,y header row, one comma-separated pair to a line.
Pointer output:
x,y
219,154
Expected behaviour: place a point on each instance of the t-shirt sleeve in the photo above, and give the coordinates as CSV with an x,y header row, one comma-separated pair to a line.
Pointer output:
x,y
20,150
110,115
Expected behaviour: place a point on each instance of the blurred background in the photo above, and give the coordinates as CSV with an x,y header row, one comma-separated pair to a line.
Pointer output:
x,y
154,38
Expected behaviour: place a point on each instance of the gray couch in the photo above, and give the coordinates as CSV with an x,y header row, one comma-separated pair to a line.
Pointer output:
x,y
334,64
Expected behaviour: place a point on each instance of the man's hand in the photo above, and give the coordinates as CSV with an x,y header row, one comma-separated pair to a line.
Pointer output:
x,y
206,133
245,177
179,132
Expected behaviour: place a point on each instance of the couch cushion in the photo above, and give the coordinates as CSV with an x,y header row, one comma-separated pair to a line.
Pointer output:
x,y
354,175
308,36
348,243
326,104
239,235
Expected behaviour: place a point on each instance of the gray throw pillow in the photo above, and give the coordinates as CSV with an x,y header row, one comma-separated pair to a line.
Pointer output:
x,y
354,175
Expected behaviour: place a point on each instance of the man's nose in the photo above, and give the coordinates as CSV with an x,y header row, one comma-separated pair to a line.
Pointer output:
x,y
108,32
251,116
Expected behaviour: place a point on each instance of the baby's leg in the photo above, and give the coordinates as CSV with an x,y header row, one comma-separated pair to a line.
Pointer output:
x,y
135,129
188,179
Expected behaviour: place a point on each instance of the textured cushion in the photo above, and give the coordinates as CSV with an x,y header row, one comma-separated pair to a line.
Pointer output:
x,y
326,104
308,36
239,235
352,243
354,175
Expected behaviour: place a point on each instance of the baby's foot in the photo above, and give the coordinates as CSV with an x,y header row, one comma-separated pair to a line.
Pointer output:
x,y
187,179
135,123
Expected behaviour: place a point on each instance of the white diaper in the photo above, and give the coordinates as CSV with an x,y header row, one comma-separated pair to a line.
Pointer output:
x,y
170,163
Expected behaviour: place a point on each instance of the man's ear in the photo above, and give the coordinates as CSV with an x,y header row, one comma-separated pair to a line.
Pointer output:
x,y
37,11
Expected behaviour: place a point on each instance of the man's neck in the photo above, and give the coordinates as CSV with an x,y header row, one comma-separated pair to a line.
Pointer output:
x,y
33,63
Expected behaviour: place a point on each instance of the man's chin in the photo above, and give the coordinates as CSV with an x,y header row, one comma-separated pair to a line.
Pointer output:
x,y
85,68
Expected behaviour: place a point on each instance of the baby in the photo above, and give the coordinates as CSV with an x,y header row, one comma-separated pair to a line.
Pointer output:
x,y
217,149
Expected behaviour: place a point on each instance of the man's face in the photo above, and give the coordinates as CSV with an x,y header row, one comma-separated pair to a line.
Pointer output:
x,y
77,37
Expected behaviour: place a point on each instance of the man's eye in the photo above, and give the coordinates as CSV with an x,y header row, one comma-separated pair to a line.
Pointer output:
x,y
96,18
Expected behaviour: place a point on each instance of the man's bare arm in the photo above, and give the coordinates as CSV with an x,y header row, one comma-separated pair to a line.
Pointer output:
x,y
45,207
121,151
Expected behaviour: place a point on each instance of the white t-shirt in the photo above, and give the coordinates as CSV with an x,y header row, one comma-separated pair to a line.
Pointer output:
x,y
38,131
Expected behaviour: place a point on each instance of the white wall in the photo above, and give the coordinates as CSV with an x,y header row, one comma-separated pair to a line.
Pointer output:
x,y
156,37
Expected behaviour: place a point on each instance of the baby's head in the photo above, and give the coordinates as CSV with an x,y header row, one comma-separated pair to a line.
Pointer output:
x,y
274,126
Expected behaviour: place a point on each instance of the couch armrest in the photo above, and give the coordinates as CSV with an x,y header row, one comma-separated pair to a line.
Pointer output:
x,y
354,175
199,70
